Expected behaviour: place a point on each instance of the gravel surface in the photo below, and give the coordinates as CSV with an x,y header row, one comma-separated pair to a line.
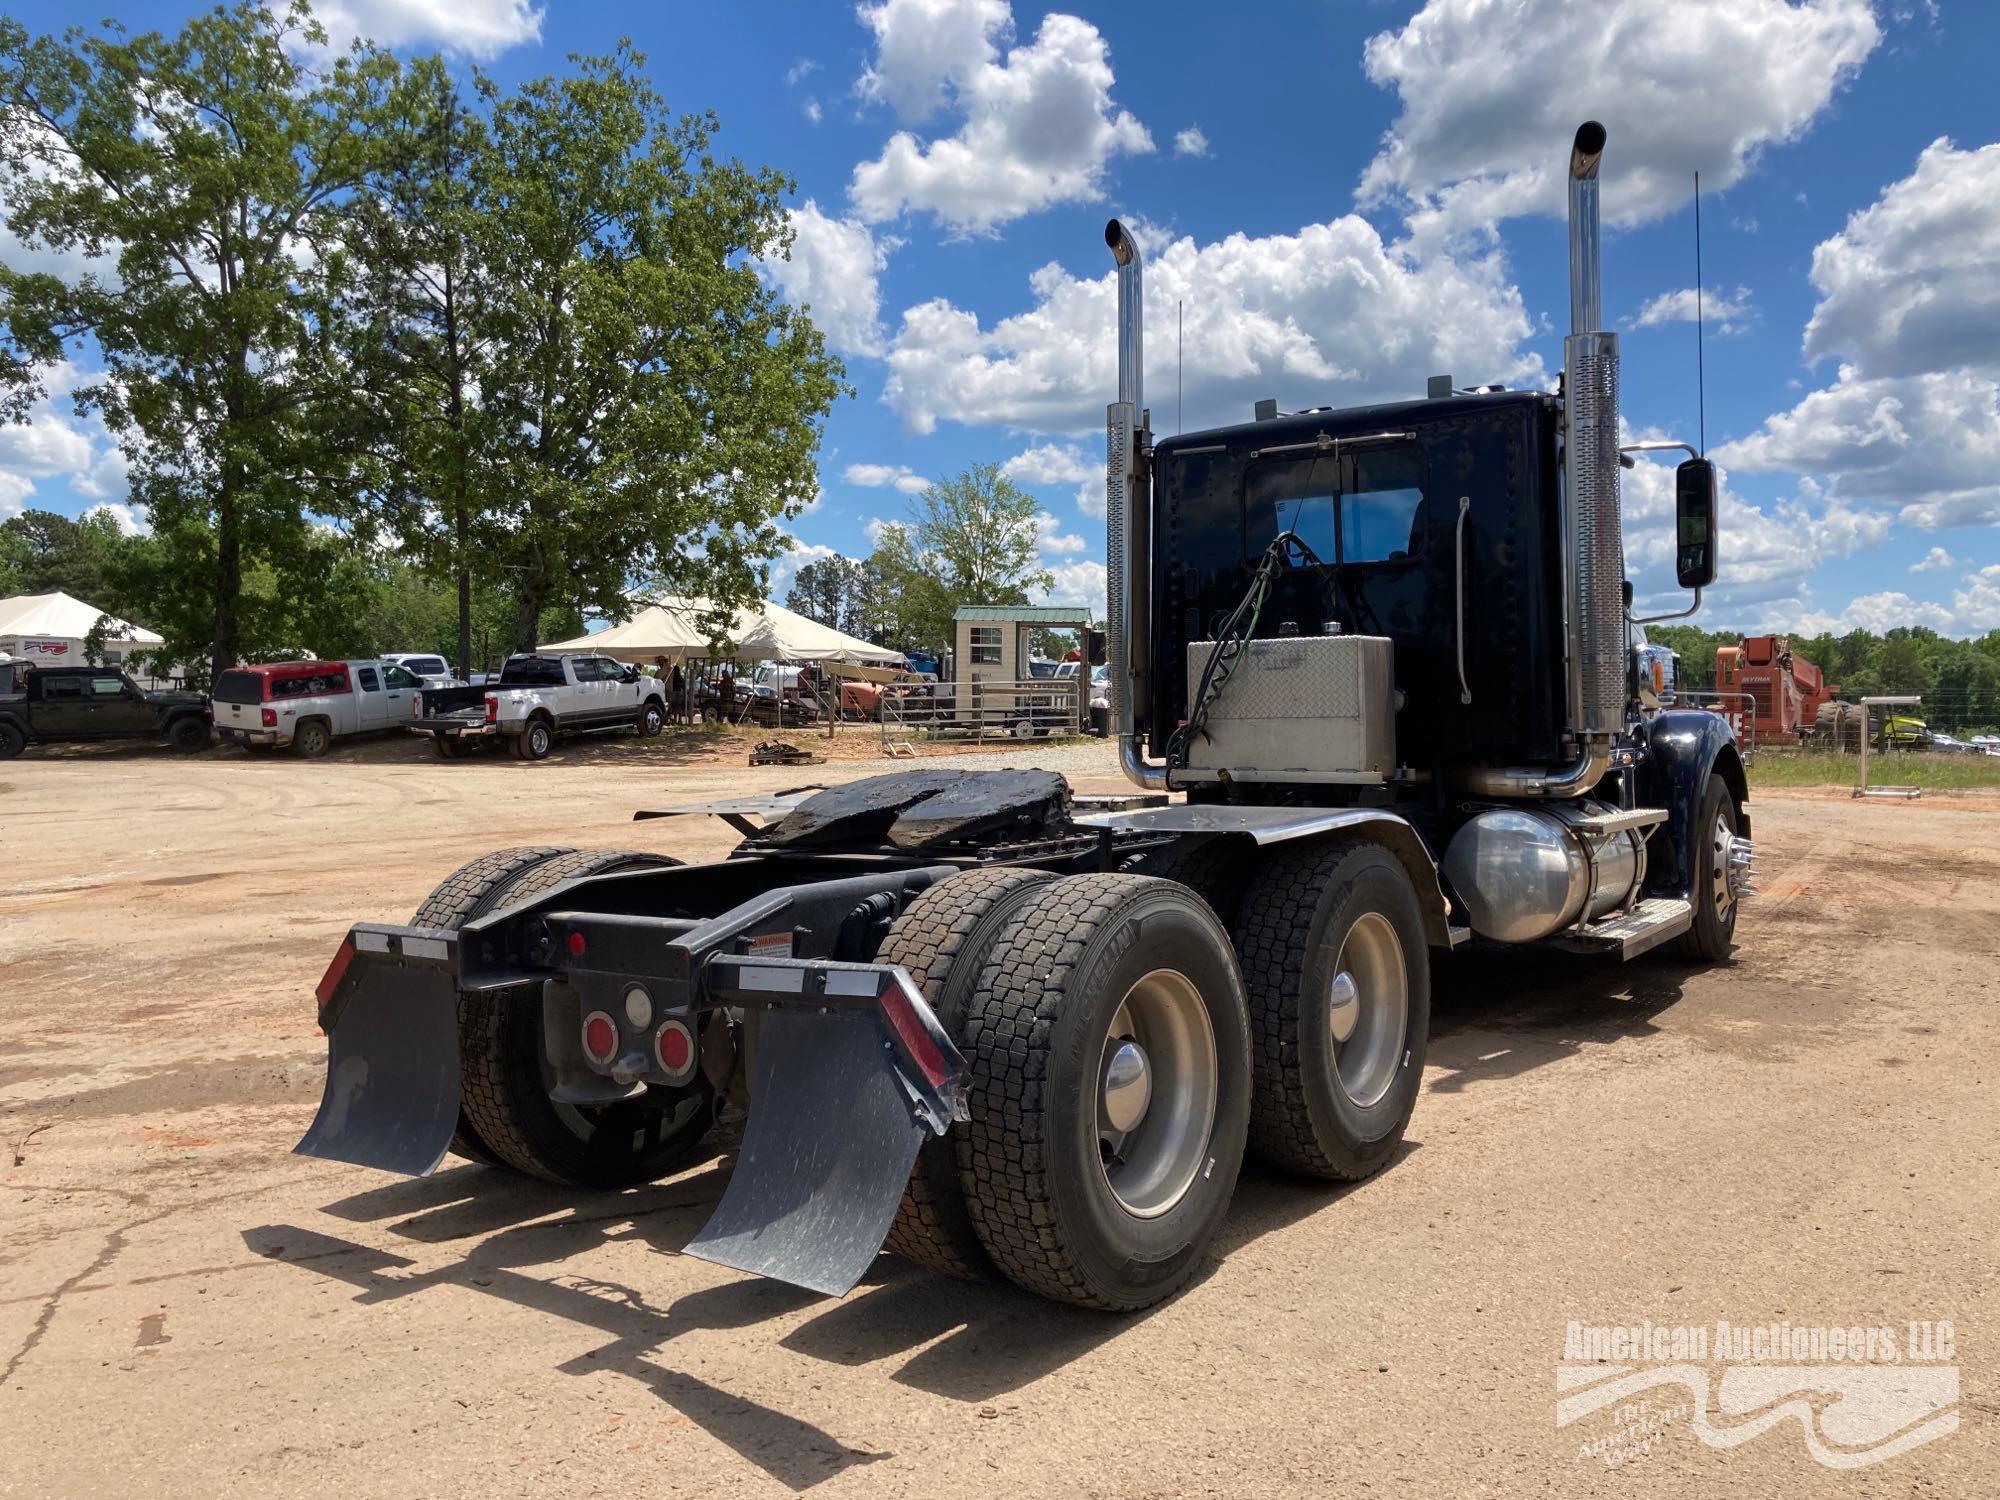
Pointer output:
x,y
1810,1134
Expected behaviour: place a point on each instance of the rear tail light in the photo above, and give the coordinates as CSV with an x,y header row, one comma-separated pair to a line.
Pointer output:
x,y
673,1045
600,1037
270,717
492,707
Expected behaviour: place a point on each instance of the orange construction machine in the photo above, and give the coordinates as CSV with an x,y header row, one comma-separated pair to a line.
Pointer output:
x,y
1785,691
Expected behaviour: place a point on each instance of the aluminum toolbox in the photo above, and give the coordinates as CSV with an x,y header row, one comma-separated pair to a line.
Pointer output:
x,y
1298,708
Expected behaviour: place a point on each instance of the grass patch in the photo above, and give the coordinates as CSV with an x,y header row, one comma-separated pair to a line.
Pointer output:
x,y
1831,768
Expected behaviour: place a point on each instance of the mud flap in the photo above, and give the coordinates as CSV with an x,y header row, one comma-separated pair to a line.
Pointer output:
x,y
392,1078
830,1142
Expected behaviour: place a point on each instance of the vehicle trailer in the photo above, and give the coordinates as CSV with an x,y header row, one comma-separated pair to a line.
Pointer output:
x,y
1373,674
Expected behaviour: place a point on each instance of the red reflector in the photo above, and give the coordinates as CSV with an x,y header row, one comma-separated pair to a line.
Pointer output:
x,y
916,1041
576,945
676,1047
270,717
600,1037
335,971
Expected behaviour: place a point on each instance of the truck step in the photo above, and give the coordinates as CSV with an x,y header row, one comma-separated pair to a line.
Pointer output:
x,y
1652,922
1619,822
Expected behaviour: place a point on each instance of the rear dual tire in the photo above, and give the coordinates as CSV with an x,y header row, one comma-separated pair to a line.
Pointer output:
x,y
1108,1075
536,741
505,1115
1334,957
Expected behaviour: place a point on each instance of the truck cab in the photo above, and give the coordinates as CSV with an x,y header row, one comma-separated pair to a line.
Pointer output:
x,y
62,704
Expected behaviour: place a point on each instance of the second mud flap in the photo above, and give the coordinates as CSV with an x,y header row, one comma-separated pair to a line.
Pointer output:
x,y
828,1147
389,1004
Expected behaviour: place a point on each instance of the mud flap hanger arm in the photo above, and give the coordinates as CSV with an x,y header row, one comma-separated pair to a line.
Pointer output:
x,y
927,1064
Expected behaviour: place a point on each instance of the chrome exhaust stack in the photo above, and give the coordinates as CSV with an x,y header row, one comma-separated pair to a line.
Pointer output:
x,y
1590,458
1128,519
1593,538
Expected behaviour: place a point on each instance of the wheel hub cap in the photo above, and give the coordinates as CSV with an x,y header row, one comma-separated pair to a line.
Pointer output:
x,y
1368,1003
1158,1076
1128,1087
1344,1006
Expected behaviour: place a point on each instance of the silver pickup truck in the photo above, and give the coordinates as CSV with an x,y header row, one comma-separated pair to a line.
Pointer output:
x,y
539,697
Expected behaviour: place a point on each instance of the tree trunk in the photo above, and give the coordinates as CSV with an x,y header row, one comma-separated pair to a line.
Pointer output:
x,y
222,646
528,609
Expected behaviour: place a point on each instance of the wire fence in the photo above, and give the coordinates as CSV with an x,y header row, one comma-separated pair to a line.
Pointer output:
x,y
1017,708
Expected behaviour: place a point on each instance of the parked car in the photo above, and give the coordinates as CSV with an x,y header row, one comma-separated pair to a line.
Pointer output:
x,y
539,697
310,704
430,669
49,705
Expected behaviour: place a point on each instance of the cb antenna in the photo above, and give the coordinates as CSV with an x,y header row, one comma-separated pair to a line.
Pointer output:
x,y
1179,304
1700,364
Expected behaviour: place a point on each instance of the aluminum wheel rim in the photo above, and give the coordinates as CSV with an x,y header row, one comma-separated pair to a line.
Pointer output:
x,y
1719,841
1368,1006
1151,1161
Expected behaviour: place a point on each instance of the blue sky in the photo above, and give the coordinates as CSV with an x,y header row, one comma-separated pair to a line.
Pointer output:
x,y
1346,197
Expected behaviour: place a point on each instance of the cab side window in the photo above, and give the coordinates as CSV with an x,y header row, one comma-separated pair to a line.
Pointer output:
x,y
62,687
107,687
370,683
397,677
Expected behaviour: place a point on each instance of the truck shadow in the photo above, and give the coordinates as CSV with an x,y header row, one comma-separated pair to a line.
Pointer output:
x,y
1497,1015
965,1341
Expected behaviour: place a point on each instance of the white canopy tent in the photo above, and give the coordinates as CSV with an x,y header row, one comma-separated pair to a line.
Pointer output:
x,y
50,630
672,628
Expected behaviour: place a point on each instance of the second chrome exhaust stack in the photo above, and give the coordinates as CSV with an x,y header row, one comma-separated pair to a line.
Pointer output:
x,y
1128,518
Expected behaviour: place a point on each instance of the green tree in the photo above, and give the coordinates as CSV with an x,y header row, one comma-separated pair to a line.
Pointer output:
x,y
1900,664
422,319
655,407
49,553
913,604
213,167
977,529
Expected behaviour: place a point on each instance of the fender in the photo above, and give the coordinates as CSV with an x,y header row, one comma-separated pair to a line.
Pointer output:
x,y
1683,748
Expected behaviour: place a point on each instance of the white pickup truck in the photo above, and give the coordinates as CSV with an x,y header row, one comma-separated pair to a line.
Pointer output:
x,y
539,697
309,704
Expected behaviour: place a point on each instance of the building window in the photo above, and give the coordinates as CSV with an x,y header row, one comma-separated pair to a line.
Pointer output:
x,y
986,645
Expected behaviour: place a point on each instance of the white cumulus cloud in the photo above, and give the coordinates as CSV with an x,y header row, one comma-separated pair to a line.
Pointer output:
x,y
834,271
1723,311
1912,283
1190,142
887,476
1910,301
1036,124
1937,560
1490,94
1327,315
478,28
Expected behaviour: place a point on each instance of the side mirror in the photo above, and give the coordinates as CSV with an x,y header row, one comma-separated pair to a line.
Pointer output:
x,y
1694,523
631,673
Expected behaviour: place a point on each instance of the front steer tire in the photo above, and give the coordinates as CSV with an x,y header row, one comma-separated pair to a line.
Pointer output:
x,y
505,1088
943,939
1308,912
1085,952
1713,934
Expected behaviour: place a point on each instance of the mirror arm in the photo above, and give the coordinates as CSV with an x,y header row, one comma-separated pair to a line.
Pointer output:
x,y
1679,614
1660,445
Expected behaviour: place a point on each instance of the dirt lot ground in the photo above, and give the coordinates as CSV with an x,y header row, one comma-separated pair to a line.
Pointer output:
x,y
1810,1134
